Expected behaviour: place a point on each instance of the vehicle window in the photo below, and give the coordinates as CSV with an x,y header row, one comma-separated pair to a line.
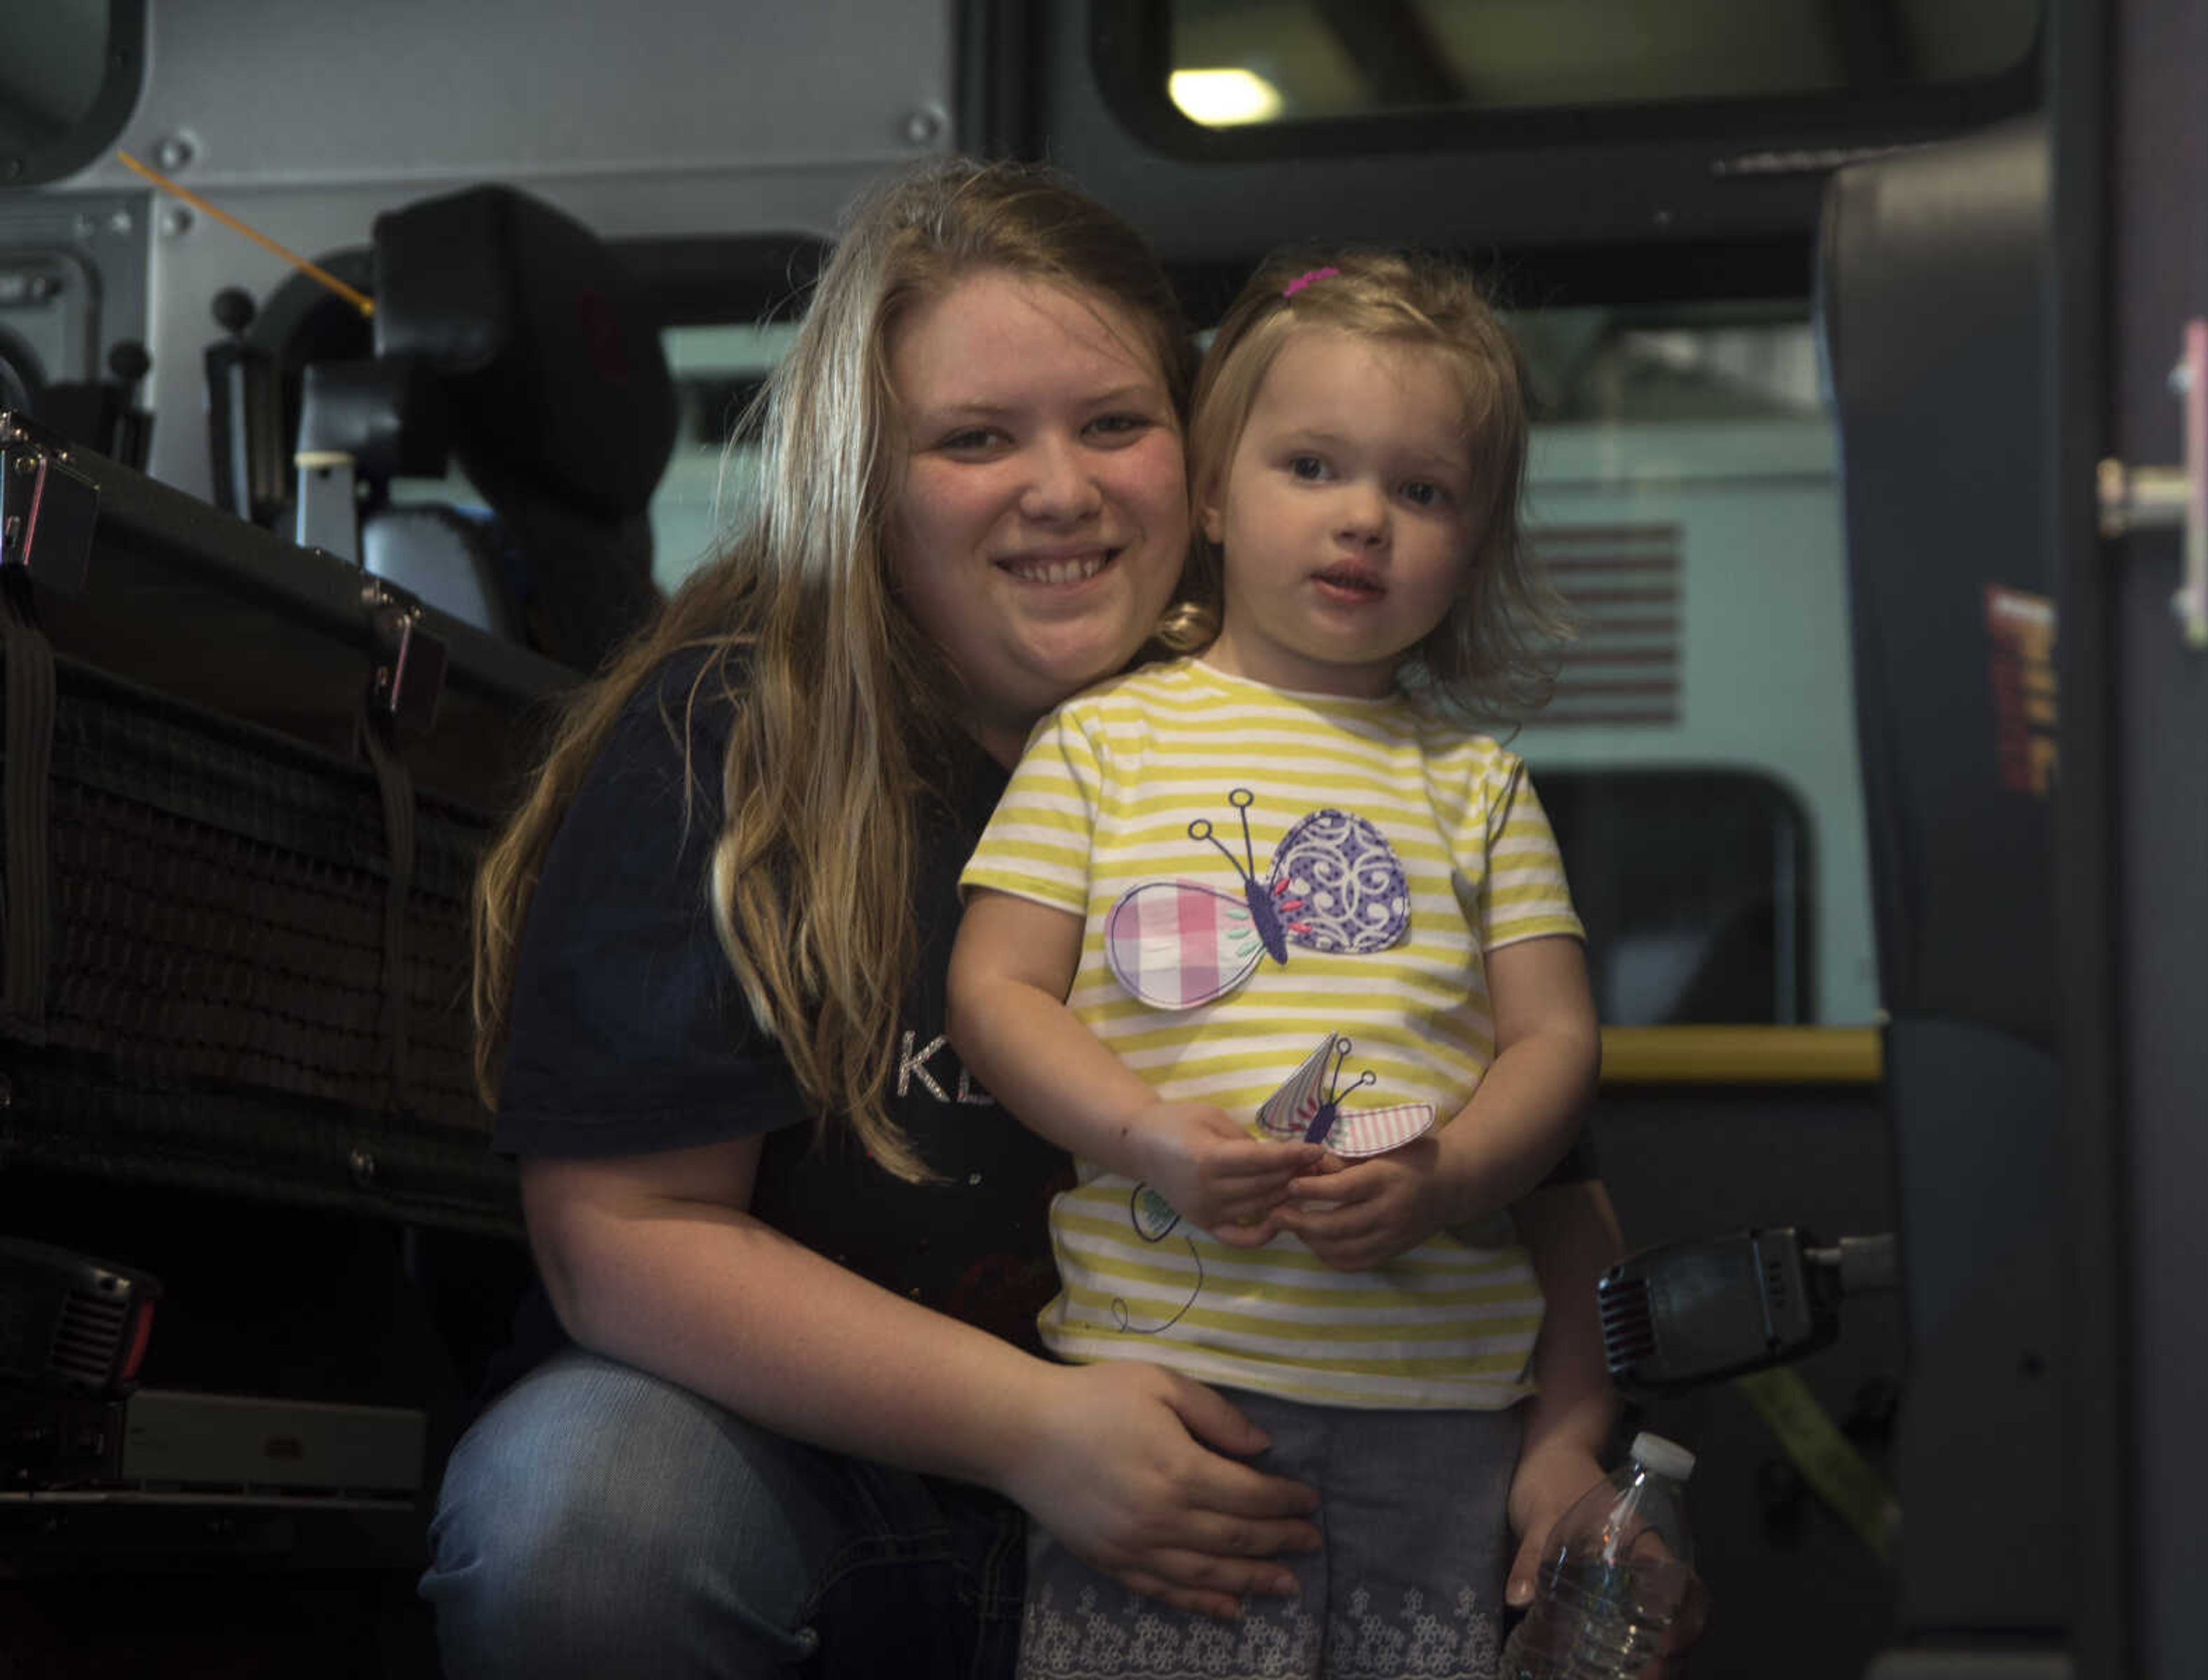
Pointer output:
x,y
1701,749
1236,61
709,482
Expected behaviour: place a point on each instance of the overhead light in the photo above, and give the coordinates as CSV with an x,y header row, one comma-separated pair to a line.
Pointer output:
x,y
1222,99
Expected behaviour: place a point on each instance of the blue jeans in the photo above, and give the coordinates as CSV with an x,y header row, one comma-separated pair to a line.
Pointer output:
x,y
597,1521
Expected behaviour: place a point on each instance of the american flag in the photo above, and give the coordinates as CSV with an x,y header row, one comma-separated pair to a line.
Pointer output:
x,y
1623,586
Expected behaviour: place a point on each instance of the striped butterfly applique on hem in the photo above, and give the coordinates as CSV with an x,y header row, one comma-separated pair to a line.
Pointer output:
x,y
1308,1109
1308,1106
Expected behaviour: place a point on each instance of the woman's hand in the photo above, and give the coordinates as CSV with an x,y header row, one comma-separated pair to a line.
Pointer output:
x,y
1364,1213
1215,1173
1132,1468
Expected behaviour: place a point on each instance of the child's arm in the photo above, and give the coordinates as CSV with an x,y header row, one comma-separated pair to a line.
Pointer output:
x,y
1573,1238
1518,1124
1010,972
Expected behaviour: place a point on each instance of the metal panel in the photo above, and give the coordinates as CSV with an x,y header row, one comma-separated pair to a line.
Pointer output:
x,y
263,94
100,239
663,117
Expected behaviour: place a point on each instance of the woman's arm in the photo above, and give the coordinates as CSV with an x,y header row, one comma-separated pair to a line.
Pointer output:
x,y
654,1260
1010,973
1548,1051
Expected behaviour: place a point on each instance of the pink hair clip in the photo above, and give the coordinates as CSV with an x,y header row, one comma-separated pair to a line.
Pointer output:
x,y
1304,278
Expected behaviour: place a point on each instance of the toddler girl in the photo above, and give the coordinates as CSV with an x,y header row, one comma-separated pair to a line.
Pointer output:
x,y
1279,946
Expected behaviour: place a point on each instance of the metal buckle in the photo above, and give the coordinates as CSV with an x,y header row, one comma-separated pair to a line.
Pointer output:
x,y
408,676
47,510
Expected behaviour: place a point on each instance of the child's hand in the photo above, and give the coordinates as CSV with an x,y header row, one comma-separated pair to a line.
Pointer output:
x,y
1544,1485
1214,1174
1359,1214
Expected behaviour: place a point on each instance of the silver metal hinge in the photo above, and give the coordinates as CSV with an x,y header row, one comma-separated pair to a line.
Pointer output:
x,y
2149,498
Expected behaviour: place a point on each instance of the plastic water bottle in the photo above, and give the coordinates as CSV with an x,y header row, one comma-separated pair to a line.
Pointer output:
x,y
1618,1567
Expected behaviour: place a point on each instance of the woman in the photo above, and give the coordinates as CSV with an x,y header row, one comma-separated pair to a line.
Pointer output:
x,y
727,906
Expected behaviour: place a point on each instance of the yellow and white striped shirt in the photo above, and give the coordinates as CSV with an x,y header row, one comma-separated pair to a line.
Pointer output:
x,y
1103,803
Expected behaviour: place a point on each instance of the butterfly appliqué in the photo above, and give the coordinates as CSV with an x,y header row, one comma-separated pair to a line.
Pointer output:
x,y
1308,1108
1336,885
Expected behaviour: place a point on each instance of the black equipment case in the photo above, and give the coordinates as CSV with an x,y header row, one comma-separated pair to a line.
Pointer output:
x,y
246,787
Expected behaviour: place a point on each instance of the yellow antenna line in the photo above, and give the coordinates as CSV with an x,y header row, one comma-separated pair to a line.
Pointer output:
x,y
320,277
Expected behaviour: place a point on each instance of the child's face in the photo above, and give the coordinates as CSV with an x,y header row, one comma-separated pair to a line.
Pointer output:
x,y
1343,515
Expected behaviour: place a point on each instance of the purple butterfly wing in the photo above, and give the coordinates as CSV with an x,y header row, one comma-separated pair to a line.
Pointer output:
x,y
1178,944
1339,885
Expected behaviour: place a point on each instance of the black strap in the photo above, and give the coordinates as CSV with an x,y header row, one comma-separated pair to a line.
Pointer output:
x,y
396,784
29,902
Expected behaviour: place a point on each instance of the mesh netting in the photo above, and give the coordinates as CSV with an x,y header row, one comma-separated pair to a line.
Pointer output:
x,y
218,903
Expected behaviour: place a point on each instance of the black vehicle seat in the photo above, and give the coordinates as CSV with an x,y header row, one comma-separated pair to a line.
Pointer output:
x,y
1933,275
556,396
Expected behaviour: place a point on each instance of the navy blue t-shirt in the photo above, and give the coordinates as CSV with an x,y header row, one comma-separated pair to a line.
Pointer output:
x,y
629,1034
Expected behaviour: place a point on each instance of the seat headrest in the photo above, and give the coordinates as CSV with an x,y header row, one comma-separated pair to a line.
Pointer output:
x,y
550,358
1934,276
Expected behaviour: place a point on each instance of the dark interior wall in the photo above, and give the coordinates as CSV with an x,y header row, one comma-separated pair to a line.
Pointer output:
x,y
2157,207
1793,1591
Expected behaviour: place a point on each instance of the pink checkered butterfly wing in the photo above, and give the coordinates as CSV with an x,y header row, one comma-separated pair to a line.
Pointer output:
x,y
1179,944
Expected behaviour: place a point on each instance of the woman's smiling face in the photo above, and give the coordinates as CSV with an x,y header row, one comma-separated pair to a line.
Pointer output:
x,y
1040,519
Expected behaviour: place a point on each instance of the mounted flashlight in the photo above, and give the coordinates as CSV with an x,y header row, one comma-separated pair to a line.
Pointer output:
x,y
1713,1307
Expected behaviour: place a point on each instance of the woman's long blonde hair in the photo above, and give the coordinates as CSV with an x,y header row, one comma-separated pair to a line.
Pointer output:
x,y
1492,658
840,703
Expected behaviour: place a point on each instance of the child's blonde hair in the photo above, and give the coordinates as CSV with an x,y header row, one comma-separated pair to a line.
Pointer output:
x,y
1492,657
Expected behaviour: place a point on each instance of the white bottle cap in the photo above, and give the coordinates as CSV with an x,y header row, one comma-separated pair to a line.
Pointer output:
x,y
1666,1458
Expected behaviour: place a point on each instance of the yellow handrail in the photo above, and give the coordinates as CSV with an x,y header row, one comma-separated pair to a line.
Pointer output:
x,y
1741,1055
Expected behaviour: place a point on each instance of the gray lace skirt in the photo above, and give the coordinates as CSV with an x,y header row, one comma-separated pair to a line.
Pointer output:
x,y
1408,1585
